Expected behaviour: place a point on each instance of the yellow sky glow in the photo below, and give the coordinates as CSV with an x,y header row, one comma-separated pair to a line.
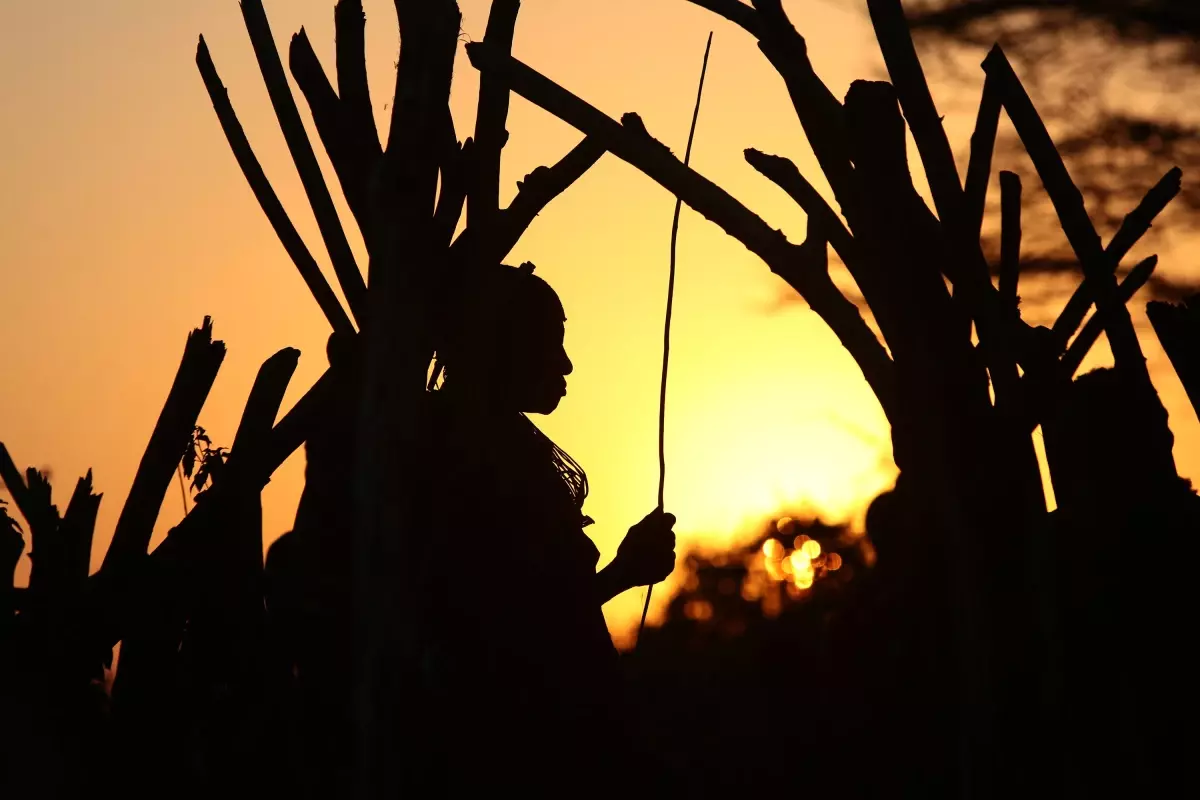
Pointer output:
x,y
124,220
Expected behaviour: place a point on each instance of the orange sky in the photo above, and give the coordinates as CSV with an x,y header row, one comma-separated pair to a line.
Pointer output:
x,y
124,220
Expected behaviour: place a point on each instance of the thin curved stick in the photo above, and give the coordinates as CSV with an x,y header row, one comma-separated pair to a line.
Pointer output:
x,y
666,358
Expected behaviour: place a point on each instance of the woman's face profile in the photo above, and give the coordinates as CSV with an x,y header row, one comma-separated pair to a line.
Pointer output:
x,y
512,354
539,363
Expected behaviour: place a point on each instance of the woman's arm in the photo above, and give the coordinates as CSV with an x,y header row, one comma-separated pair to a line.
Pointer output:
x,y
610,583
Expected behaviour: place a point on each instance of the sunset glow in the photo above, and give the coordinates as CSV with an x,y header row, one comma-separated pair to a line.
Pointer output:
x,y
124,220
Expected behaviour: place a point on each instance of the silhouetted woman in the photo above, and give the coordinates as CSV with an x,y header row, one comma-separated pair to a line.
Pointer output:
x,y
521,675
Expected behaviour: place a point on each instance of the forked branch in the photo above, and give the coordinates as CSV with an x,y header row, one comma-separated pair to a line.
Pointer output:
x,y
1079,348
629,141
1068,204
784,174
537,190
819,112
1133,227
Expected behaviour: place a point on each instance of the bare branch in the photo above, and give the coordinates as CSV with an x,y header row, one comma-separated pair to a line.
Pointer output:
x,y
912,90
902,241
453,190
202,358
538,189
979,168
266,395
1133,227
353,160
353,89
630,142
323,101
267,199
1010,237
241,561
429,35
818,110
76,531
293,429
344,266
483,200
1068,203
784,174
808,275
967,268
1079,348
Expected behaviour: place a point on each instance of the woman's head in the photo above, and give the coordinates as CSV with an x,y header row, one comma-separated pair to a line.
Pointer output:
x,y
504,341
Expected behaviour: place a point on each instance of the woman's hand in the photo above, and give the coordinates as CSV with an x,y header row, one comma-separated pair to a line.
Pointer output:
x,y
647,554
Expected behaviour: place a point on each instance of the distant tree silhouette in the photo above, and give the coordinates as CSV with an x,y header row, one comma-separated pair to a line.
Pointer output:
x,y
754,683
735,684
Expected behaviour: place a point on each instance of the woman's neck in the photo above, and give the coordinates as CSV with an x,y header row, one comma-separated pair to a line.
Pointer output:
x,y
476,403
